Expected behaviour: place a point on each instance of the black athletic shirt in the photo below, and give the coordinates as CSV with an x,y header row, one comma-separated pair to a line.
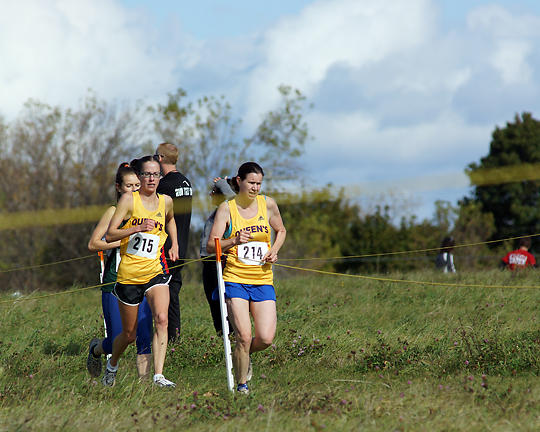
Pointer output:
x,y
178,187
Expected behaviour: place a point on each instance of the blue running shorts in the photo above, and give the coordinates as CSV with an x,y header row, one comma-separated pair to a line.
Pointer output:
x,y
255,293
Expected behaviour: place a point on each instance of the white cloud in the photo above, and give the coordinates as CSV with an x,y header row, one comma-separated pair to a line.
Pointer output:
x,y
510,60
500,23
508,39
300,50
54,50
357,148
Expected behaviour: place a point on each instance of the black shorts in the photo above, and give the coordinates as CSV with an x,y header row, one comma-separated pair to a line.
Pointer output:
x,y
132,294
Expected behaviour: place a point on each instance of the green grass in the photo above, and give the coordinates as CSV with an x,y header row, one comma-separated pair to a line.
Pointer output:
x,y
349,354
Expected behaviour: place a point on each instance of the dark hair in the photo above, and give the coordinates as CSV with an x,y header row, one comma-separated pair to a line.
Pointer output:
x,y
447,244
525,241
137,164
123,170
245,169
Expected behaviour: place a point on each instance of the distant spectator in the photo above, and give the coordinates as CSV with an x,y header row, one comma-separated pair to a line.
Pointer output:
x,y
445,258
179,188
520,258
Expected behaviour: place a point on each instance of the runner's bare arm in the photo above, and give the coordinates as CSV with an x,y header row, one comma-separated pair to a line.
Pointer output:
x,y
218,229
123,212
170,227
96,242
274,218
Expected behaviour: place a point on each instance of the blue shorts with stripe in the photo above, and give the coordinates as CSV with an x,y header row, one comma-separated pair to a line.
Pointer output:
x,y
255,293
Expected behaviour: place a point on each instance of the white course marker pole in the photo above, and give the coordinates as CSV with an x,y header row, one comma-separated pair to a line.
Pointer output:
x,y
101,276
224,322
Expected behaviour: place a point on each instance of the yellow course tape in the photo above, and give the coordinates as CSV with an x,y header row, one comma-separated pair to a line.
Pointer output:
x,y
409,251
301,269
505,174
302,259
46,264
51,217
405,281
77,290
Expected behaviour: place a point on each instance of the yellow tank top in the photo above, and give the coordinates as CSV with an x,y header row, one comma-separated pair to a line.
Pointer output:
x,y
244,261
141,253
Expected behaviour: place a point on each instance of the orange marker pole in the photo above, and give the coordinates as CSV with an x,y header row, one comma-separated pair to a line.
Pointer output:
x,y
224,322
101,266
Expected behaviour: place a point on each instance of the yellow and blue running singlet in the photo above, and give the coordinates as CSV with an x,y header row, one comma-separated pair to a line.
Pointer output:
x,y
142,252
244,263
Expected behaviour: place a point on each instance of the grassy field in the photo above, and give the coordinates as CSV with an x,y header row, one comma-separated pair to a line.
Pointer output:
x,y
350,354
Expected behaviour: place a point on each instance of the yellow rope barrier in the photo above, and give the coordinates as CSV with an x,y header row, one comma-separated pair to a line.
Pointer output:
x,y
404,281
409,251
46,264
374,278
302,259
297,268
77,290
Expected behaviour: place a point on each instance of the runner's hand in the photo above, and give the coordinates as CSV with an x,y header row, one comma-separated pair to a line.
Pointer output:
x,y
270,257
243,237
147,225
173,253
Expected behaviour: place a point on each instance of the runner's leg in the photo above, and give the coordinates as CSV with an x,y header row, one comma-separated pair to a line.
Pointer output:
x,y
175,284
128,333
209,277
158,299
113,321
144,339
264,320
239,317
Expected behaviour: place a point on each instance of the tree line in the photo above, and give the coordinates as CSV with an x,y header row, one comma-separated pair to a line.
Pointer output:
x,y
61,158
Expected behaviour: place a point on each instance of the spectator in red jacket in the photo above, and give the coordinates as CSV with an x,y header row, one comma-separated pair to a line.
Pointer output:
x,y
520,258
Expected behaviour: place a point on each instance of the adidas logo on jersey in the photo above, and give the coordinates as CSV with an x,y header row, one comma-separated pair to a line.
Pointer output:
x,y
159,214
260,218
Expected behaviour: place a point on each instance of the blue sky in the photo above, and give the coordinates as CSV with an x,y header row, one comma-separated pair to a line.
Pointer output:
x,y
217,19
406,94
210,18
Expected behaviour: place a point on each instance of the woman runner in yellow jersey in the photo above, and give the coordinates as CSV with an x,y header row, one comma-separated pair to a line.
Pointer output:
x,y
143,270
246,222
126,182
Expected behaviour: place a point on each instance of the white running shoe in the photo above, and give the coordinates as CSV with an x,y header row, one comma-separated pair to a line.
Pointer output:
x,y
161,381
109,378
93,363
243,389
250,371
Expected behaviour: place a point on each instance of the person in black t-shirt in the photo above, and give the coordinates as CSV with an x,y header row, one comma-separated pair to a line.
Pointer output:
x,y
178,187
